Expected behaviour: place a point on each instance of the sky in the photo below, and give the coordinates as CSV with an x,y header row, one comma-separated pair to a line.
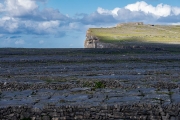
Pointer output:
x,y
63,23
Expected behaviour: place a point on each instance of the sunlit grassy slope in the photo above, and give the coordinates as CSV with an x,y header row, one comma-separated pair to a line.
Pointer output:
x,y
138,34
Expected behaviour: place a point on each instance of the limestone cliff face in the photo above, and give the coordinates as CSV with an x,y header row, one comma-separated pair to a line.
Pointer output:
x,y
94,42
91,41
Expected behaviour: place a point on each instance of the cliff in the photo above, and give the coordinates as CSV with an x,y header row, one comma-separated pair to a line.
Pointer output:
x,y
132,35
94,42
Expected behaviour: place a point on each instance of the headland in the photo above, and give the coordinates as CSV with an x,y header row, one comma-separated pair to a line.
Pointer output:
x,y
133,35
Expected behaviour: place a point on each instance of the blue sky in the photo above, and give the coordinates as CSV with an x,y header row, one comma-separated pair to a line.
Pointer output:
x,y
63,23
89,6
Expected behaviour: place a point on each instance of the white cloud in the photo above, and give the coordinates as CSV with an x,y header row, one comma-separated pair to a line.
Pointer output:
x,y
9,24
41,27
176,10
161,10
103,11
139,11
41,42
24,16
113,12
48,25
1,7
19,42
178,23
75,26
51,14
20,7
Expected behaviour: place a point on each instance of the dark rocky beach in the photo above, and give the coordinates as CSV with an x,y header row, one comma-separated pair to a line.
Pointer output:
x,y
126,83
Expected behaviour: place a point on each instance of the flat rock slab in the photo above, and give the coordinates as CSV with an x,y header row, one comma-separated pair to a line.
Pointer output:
x,y
94,77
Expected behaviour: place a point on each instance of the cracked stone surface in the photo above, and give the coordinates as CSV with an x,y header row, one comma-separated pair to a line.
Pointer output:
x,y
39,77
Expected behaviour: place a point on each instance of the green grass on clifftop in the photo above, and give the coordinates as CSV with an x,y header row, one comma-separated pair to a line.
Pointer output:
x,y
166,34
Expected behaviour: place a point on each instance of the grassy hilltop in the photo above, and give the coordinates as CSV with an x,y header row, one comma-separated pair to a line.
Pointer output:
x,y
129,33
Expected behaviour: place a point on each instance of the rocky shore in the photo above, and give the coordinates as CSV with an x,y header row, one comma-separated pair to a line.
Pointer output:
x,y
55,84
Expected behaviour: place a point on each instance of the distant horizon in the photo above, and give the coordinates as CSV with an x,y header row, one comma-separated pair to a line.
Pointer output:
x,y
63,24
